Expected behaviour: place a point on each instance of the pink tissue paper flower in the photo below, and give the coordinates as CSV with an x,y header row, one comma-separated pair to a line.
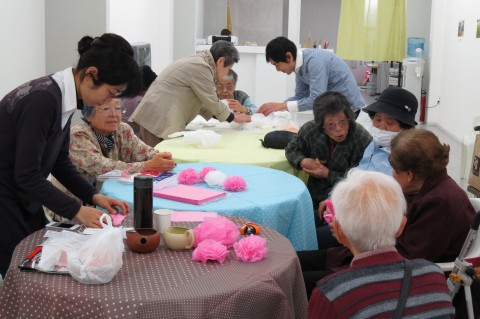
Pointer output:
x,y
234,184
251,249
210,250
220,229
330,212
188,177
204,172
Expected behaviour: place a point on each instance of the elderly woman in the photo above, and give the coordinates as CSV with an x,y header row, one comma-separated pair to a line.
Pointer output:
x,y
238,101
392,112
327,147
439,212
104,143
371,286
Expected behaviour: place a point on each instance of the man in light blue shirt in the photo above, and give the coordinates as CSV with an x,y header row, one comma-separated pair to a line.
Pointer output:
x,y
316,71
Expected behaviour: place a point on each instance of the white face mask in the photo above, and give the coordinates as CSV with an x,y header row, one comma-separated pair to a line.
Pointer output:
x,y
382,137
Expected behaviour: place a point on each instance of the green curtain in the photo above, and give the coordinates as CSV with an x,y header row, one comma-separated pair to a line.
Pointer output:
x,y
372,30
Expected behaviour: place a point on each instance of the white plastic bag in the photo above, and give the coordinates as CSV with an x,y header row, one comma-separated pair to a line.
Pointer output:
x,y
54,251
99,257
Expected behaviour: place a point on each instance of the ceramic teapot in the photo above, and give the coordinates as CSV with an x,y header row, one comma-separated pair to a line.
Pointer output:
x,y
143,240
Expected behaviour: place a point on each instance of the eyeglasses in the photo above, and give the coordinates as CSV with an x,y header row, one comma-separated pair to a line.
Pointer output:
x,y
333,126
111,110
221,87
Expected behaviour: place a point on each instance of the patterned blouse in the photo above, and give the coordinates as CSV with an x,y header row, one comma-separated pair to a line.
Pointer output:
x,y
128,153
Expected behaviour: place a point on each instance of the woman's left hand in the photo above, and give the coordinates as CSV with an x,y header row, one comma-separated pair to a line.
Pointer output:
x,y
112,205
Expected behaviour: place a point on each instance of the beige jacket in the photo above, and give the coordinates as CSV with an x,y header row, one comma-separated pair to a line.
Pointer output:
x,y
183,90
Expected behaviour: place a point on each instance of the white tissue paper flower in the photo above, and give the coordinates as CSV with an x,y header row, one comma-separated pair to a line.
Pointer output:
x,y
215,178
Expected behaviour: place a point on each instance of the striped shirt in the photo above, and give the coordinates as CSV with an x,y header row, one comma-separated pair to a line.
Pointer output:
x,y
371,287
319,71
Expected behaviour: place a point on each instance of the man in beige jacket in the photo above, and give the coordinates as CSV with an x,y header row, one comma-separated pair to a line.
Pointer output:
x,y
185,89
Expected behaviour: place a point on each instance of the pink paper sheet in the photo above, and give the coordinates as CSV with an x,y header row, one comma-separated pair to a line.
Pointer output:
x,y
118,219
188,216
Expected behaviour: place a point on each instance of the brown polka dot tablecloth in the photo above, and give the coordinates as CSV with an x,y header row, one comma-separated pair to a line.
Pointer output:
x,y
163,284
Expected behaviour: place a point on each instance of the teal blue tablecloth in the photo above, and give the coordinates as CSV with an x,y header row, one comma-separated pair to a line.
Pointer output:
x,y
273,198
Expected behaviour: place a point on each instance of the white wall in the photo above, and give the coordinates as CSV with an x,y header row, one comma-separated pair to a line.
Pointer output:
x,y
418,25
22,34
455,66
321,19
144,21
184,22
66,22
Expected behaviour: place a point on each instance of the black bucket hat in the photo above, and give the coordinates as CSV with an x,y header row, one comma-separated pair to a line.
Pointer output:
x,y
396,102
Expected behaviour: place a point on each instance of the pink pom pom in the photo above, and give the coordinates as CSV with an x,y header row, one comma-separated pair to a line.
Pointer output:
x,y
188,177
210,250
251,249
204,172
220,229
235,184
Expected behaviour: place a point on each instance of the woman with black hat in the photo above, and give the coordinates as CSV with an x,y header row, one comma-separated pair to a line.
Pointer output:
x,y
393,112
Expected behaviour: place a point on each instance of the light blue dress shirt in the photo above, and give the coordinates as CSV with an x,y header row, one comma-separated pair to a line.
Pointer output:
x,y
375,158
318,71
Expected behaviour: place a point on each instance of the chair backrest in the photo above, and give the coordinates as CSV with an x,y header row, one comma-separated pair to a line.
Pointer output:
x,y
474,250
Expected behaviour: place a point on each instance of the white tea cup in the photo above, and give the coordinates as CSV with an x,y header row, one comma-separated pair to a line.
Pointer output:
x,y
162,219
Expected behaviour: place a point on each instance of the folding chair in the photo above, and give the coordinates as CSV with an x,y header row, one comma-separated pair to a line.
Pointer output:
x,y
462,272
471,247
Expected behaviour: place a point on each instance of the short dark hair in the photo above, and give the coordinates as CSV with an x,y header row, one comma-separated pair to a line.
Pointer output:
x,y
148,76
331,103
277,49
225,32
225,49
420,151
112,55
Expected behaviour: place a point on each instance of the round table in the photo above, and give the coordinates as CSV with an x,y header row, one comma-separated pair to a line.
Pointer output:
x,y
273,198
232,148
163,284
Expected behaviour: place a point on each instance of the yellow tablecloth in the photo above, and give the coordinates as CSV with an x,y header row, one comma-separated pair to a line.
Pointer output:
x,y
233,148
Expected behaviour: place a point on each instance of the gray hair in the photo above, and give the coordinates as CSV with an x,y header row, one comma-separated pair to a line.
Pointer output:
x,y
225,49
87,112
369,207
231,76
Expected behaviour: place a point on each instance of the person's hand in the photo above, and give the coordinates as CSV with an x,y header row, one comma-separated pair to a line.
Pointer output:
x,y
270,107
110,204
161,162
322,208
242,118
309,163
236,106
89,216
165,155
318,170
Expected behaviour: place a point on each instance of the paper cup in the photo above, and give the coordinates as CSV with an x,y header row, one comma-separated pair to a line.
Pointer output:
x,y
162,219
